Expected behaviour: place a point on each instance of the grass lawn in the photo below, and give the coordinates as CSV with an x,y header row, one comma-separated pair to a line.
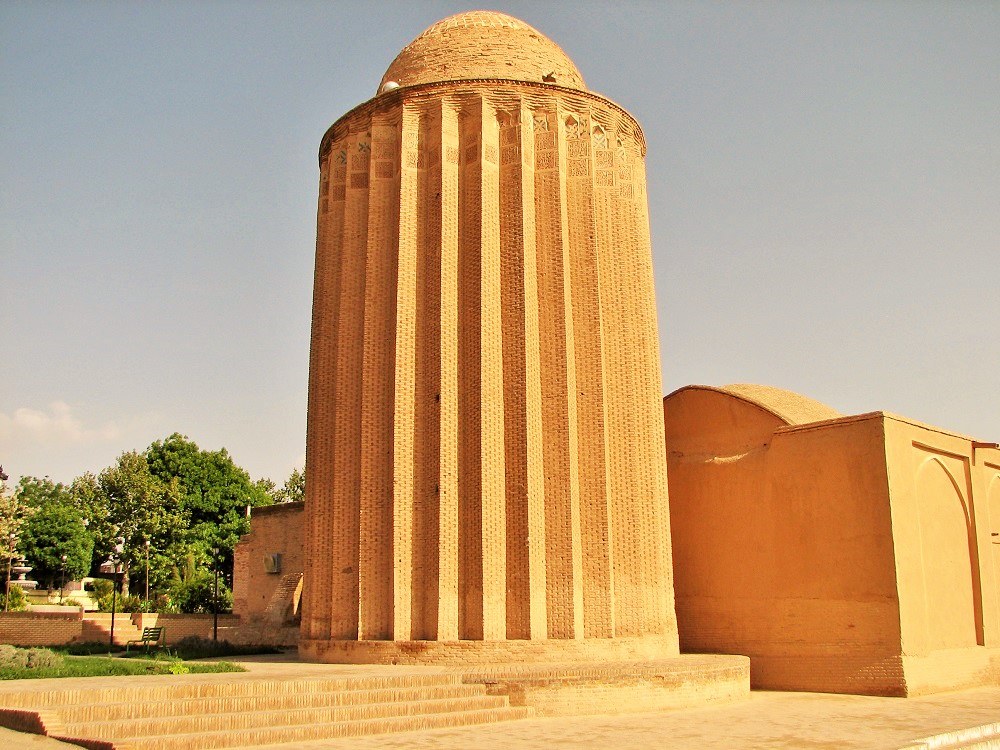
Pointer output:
x,y
103,666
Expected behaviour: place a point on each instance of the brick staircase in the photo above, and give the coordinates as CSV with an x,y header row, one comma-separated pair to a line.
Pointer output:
x,y
247,712
97,628
281,607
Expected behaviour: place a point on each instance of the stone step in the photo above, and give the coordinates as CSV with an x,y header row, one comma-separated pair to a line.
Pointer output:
x,y
283,700
304,733
97,627
203,714
57,698
282,599
210,720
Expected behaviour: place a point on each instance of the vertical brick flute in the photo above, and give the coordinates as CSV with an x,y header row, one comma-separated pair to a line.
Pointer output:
x,y
485,474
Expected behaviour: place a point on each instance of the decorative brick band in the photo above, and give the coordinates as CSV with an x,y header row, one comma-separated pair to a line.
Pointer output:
x,y
494,88
457,653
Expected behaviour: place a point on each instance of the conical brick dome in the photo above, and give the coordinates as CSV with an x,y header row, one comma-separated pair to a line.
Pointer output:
x,y
482,44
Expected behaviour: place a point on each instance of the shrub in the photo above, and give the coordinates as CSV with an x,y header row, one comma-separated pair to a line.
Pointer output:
x,y
12,657
18,601
40,658
196,595
121,603
70,603
89,647
196,647
100,587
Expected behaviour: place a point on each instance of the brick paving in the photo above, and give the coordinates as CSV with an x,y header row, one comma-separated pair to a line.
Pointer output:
x,y
771,720
768,721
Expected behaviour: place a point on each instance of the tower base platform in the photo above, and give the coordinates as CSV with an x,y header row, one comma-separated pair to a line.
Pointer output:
x,y
613,687
563,677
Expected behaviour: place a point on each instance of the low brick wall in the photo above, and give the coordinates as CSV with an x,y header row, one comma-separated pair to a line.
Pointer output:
x,y
40,628
182,626
61,628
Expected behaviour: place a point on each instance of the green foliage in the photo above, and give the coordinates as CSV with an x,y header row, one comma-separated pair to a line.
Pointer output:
x,y
40,493
167,507
55,530
294,489
127,603
196,647
14,512
192,590
18,601
103,590
139,506
101,587
214,494
96,666
12,657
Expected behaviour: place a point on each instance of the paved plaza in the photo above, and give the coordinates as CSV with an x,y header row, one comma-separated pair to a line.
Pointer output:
x,y
768,720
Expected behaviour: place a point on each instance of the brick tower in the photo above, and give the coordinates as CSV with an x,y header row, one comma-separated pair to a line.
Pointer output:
x,y
485,473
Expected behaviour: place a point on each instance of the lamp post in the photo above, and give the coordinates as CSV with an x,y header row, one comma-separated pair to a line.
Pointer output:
x,y
147,572
62,579
115,558
215,596
10,566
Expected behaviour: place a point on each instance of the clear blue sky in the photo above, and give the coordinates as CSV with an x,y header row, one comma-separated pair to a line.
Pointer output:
x,y
824,193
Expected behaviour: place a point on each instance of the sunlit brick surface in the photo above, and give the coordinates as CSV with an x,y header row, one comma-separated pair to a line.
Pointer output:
x,y
485,433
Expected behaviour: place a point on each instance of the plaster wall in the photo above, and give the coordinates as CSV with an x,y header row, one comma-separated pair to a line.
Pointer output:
x,y
780,553
943,495
853,554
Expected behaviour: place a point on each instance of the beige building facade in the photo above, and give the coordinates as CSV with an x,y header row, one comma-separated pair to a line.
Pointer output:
x,y
484,471
855,554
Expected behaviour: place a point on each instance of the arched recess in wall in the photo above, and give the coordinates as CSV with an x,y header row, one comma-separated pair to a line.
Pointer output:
x,y
993,504
953,610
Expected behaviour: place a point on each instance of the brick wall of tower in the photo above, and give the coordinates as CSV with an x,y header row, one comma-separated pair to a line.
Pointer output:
x,y
484,425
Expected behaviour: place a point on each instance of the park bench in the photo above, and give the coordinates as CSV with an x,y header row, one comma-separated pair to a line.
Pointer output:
x,y
150,637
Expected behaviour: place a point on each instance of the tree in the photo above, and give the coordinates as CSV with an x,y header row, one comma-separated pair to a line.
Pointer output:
x,y
192,589
215,494
138,506
55,531
294,489
14,512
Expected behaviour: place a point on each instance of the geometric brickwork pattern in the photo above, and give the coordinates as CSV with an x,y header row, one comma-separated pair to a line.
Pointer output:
x,y
485,439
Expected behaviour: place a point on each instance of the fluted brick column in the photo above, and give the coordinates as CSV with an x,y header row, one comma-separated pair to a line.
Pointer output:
x,y
484,453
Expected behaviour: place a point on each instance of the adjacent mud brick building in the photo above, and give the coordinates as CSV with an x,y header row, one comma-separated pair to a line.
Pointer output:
x,y
851,554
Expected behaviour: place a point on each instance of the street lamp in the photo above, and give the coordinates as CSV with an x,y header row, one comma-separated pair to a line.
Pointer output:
x,y
10,569
115,563
215,596
62,580
147,572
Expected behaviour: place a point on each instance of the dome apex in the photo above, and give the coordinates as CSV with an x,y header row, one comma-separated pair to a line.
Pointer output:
x,y
482,44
